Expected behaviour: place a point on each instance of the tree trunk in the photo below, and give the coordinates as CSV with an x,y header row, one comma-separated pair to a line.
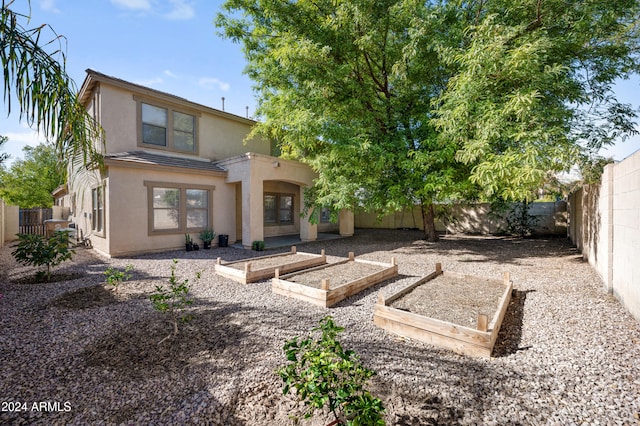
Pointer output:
x,y
428,221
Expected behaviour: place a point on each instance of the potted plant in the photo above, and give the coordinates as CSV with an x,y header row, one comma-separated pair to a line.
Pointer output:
x,y
188,242
258,245
207,235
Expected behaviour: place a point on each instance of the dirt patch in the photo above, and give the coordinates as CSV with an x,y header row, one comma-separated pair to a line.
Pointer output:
x,y
270,262
452,299
337,275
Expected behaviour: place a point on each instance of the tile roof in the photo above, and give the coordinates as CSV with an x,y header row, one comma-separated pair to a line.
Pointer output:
x,y
146,158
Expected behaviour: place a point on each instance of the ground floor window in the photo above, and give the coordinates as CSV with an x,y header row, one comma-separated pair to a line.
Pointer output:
x,y
97,209
179,208
278,209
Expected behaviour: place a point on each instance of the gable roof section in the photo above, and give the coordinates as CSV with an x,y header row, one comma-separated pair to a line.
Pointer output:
x,y
142,159
94,77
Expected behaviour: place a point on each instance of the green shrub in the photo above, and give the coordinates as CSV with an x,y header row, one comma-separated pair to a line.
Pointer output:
x,y
324,374
516,217
39,250
173,300
115,276
519,222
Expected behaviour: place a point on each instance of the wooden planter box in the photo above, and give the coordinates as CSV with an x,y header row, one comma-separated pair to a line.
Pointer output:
x,y
322,294
243,270
458,338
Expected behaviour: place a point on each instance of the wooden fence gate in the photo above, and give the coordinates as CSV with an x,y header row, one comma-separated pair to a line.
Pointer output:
x,y
32,220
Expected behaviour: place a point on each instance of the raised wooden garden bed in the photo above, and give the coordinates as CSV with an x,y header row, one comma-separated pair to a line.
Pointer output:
x,y
260,268
329,284
448,310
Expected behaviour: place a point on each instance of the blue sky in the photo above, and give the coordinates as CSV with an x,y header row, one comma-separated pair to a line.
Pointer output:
x,y
169,45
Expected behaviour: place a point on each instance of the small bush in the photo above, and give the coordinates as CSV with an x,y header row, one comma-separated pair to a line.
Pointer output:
x,y
38,250
173,300
324,374
115,276
518,221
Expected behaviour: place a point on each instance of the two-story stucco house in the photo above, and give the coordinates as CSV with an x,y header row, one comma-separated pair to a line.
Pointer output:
x,y
174,167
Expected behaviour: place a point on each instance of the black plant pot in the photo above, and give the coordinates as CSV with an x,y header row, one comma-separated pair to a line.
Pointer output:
x,y
188,246
206,245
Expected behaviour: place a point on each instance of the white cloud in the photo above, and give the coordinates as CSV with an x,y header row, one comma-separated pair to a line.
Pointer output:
x,y
212,83
49,6
181,10
168,73
133,4
168,9
17,141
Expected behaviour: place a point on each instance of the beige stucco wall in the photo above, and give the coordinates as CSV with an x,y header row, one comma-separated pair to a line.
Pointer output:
x,y
219,136
129,233
253,171
9,222
118,118
237,200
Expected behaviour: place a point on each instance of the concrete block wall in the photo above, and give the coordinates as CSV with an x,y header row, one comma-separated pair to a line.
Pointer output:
x,y
605,227
626,233
471,219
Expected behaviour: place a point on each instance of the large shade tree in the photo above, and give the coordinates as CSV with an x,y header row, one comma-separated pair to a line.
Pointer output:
x,y
33,63
398,102
532,93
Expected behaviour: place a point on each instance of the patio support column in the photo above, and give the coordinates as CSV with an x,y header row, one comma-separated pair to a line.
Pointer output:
x,y
252,210
308,230
346,221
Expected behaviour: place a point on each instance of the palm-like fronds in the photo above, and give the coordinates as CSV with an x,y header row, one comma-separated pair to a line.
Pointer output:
x,y
34,73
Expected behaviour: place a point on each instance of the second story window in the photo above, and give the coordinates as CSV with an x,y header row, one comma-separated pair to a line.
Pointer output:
x,y
154,125
166,128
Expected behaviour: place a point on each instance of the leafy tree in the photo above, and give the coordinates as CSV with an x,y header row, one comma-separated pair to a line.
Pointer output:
x,y
591,168
34,72
39,250
30,182
347,87
532,92
399,102
4,156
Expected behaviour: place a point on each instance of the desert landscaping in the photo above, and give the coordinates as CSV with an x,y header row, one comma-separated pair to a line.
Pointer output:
x,y
567,351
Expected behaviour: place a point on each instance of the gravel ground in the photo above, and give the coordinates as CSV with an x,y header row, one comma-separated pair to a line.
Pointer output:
x,y
567,353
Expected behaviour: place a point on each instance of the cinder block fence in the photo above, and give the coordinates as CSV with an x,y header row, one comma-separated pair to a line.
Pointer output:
x,y
604,223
